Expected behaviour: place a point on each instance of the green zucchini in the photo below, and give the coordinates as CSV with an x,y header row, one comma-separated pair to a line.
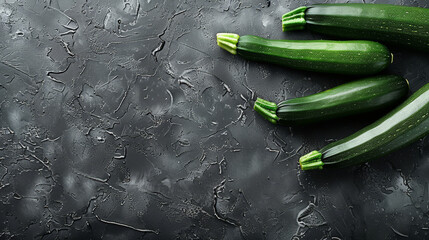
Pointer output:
x,y
402,126
353,98
341,57
398,25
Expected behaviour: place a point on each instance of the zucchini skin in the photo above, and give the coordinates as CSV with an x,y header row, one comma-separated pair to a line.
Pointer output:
x,y
349,99
402,126
353,98
339,57
398,25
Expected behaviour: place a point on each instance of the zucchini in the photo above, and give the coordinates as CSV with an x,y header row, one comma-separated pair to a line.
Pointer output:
x,y
398,25
402,126
353,98
341,57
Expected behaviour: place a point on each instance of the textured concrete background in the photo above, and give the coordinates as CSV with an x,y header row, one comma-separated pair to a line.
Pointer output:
x,y
122,119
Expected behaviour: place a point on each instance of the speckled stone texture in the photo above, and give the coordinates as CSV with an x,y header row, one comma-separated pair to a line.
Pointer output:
x,y
122,119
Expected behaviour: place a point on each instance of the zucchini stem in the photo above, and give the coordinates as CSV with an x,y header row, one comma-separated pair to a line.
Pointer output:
x,y
267,109
294,20
228,41
266,104
312,160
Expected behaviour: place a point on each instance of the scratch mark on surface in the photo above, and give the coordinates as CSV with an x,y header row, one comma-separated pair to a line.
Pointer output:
x,y
60,72
220,165
273,150
227,88
171,99
196,49
398,233
158,49
244,197
66,46
162,43
70,28
67,16
123,99
186,82
125,225
93,178
50,140
216,190
121,156
68,32
17,69
10,130
41,161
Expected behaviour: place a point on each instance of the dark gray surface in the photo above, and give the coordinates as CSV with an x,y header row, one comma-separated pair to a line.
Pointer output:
x,y
124,120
